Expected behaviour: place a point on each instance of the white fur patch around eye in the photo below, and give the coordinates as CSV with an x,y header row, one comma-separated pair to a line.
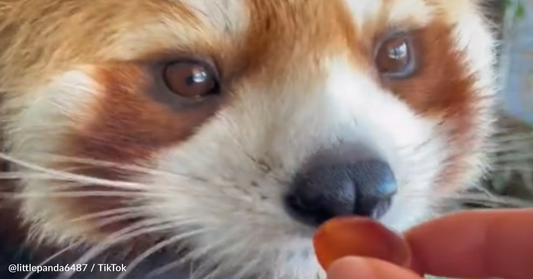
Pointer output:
x,y
398,12
220,20
48,110
40,117
225,16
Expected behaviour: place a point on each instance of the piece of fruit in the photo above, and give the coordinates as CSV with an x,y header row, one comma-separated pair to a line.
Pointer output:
x,y
357,236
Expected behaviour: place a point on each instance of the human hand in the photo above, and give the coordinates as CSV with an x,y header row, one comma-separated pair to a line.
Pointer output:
x,y
469,244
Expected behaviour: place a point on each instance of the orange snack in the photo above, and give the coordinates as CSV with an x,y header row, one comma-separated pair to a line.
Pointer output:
x,y
357,236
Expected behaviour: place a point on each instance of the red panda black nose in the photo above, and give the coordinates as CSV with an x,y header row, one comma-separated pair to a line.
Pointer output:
x,y
341,182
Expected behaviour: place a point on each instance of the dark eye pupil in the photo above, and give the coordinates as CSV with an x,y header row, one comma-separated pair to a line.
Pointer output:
x,y
190,79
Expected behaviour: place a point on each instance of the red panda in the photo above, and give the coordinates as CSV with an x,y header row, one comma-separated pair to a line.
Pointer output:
x,y
219,134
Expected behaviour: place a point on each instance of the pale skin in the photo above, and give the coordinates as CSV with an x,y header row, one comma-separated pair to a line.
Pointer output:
x,y
470,244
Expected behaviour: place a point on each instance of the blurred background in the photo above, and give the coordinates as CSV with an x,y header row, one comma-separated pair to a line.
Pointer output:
x,y
513,151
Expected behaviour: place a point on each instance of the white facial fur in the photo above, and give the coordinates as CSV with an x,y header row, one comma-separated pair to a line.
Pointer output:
x,y
227,181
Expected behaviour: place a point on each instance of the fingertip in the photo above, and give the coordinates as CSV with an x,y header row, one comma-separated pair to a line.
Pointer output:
x,y
478,244
367,268
350,267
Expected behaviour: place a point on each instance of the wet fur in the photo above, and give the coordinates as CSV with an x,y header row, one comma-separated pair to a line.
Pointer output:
x,y
84,133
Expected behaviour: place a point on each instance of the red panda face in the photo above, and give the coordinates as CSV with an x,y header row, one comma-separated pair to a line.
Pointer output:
x,y
236,127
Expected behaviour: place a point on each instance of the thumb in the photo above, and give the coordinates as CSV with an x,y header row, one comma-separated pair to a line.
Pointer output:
x,y
367,268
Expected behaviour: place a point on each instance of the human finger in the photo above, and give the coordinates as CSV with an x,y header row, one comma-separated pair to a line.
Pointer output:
x,y
475,244
367,268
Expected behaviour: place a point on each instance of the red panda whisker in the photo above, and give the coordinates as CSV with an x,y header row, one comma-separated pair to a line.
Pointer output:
x,y
68,177
132,231
111,212
157,247
94,163
53,256
76,194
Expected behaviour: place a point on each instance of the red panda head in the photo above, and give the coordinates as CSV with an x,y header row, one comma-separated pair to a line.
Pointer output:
x,y
236,127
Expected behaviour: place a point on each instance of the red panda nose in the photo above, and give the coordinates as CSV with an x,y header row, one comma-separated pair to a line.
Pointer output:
x,y
341,182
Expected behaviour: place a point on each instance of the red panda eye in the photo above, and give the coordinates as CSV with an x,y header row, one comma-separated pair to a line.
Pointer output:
x,y
190,79
394,57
